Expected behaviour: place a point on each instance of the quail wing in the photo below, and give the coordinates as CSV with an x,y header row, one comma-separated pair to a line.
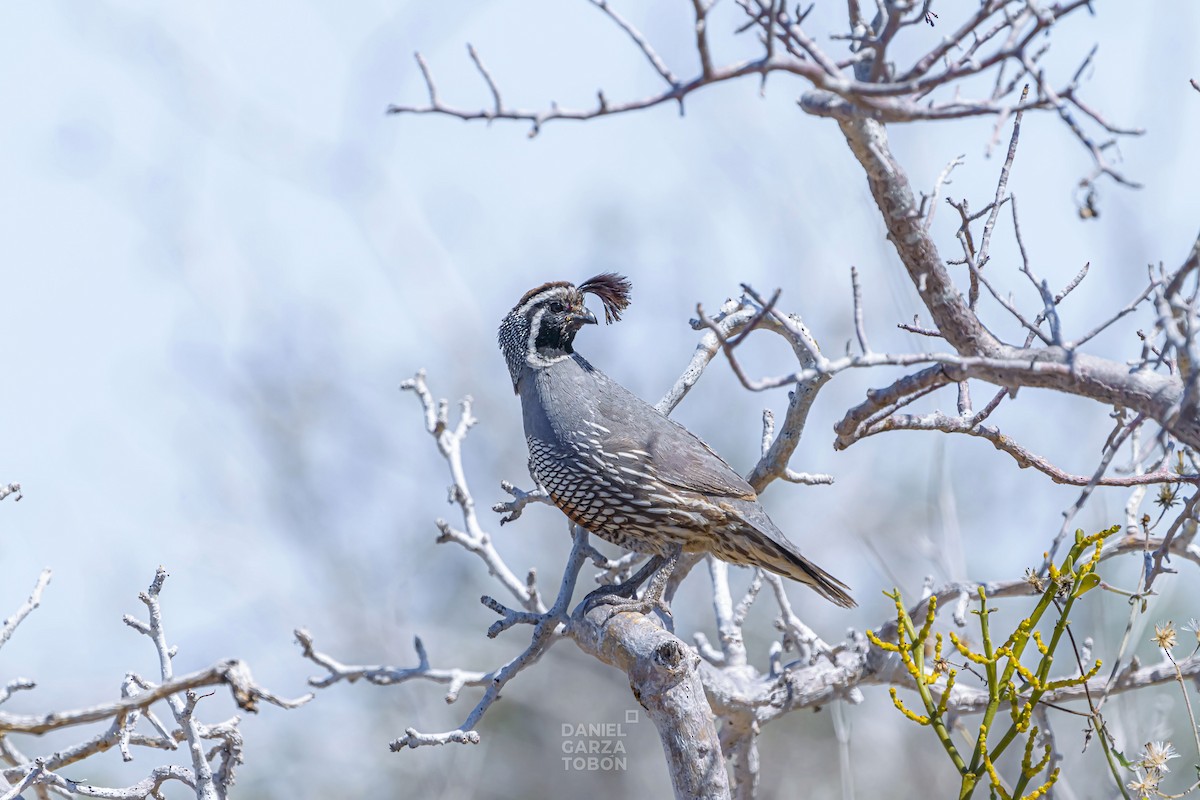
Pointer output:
x,y
678,456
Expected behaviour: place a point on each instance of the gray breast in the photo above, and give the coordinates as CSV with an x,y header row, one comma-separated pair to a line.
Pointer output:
x,y
599,477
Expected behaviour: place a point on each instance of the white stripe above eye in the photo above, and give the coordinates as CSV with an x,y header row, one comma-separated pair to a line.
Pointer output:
x,y
541,297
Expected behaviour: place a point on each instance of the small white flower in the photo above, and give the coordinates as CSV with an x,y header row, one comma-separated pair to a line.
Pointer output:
x,y
1145,785
1164,635
1157,755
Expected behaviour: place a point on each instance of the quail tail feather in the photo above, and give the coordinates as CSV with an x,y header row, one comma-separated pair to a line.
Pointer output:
x,y
784,559
770,549
826,585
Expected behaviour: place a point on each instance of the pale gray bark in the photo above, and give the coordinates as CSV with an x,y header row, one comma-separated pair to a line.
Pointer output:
x,y
214,750
664,677
1157,395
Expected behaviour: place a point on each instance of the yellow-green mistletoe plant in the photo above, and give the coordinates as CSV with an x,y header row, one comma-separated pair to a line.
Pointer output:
x,y
1015,683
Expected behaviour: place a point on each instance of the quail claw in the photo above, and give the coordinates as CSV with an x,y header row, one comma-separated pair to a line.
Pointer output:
x,y
623,597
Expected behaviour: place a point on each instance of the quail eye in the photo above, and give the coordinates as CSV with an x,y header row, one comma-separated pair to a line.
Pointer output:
x,y
557,307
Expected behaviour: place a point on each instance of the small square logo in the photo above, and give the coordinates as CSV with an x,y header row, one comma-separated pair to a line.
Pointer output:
x,y
631,716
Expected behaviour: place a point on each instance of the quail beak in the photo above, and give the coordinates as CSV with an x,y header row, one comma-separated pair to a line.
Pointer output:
x,y
578,317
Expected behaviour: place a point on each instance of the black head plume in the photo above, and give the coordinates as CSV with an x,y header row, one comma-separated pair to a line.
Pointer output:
x,y
613,290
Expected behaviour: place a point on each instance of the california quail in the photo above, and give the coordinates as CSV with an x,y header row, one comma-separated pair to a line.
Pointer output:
x,y
618,467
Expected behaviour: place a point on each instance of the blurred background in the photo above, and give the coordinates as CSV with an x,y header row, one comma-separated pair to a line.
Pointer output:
x,y
220,259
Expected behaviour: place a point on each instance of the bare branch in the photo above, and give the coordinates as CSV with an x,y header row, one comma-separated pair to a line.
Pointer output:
x,y
808,644
474,538
1123,430
729,626
774,463
545,633
1049,310
675,94
428,76
841,670
876,93
937,421
760,313
917,328
706,64
1124,312
943,179
1190,264
487,76
1002,184
1162,552
15,685
615,570
665,675
231,672
638,39
150,787
1034,330
705,350
859,328
35,598
380,675
512,508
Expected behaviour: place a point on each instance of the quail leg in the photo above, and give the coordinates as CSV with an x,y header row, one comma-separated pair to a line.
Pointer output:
x,y
624,597
627,590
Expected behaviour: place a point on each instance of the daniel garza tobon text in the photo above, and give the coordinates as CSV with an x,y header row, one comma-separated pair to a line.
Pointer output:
x,y
594,747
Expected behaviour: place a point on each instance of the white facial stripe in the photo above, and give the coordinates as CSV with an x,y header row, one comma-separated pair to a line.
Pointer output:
x,y
534,326
541,297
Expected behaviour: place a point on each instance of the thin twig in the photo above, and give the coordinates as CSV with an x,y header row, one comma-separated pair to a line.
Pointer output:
x,y
639,40
34,600
487,76
859,326
1002,184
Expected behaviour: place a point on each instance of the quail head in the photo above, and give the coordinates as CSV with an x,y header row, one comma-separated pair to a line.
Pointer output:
x,y
618,467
